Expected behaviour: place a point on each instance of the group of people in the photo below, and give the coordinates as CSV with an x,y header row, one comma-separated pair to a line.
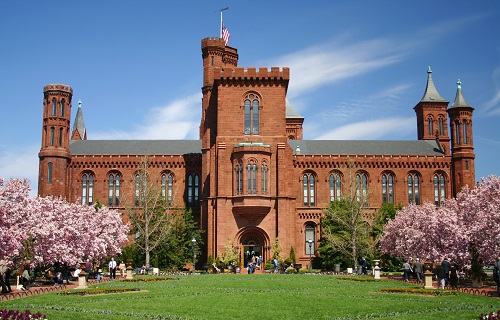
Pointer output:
x,y
446,272
255,263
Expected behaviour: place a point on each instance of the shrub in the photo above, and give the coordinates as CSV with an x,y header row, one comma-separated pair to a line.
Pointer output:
x,y
20,315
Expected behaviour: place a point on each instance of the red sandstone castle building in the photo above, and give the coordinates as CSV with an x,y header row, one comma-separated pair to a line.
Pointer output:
x,y
250,177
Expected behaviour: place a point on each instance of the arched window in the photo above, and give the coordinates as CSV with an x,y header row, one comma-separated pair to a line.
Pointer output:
x,y
464,125
49,172
87,188
167,187
335,186
439,189
238,179
388,187
441,126
54,106
457,132
309,183
414,188
52,135
361,187
265,178
310,235
251,114
193,190
114,190
62,108
61,130
430,126
252,178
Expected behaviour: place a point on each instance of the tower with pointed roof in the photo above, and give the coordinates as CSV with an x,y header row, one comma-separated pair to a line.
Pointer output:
x,y
432,120
462,145
54,156
79,131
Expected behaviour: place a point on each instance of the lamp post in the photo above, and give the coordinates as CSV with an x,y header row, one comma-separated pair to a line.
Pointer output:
x,y
194,255
310,242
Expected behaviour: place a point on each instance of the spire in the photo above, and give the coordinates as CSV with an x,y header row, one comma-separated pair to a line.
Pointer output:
x,y
459,98
431,93
79,131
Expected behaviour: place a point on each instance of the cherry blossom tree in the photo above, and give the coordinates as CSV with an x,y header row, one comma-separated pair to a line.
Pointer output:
x,y
469,222
48,230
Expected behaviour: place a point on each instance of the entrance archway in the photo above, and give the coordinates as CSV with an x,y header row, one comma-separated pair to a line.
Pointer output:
x,y
254,243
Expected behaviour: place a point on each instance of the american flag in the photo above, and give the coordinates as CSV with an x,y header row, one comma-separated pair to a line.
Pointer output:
x,y
225,34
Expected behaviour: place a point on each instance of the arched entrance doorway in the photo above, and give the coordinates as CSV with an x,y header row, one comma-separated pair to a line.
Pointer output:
x,y
254,243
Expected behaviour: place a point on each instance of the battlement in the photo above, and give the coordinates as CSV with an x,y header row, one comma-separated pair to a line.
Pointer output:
x,y
252,73
58,87
212,42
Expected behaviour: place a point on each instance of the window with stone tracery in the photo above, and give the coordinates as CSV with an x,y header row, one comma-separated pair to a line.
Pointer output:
x,y
251,105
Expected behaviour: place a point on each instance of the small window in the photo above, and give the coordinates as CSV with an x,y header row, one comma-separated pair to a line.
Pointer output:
x,y
430,126
388,187
251,114
193,190
54,106
457,132
238,179
310,239
252,178
62,108
52,135
464,125
61,130
441,126
49,172
362,187
265,178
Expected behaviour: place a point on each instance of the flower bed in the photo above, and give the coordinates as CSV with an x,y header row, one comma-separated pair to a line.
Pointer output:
x,y
20,315
82,292
420,291
146,279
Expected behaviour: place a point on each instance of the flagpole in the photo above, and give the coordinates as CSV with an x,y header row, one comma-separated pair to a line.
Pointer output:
x,y
226,8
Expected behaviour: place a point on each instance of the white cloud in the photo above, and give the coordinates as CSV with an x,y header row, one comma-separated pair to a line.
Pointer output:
x,y
492,107
178,120
371,130
21,164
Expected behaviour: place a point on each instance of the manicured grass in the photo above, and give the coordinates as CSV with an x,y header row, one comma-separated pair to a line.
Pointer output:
x,y
258,296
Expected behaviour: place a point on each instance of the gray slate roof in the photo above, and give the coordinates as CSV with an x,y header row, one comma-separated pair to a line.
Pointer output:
x,y
316,147
134,147
366,147
431,93
459,98
291,112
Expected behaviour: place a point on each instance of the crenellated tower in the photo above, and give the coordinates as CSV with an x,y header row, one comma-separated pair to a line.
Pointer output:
x,y
54,155
432,120
462,155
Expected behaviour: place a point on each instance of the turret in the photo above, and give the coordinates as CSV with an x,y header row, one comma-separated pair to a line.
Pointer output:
x,y
463,156
79,131
54,154
432,121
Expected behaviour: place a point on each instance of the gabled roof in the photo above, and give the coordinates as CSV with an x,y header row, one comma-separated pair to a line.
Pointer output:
x,y
134,147
431,93
366,147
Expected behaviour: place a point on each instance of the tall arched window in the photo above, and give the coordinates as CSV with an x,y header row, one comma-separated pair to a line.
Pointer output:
x,y
61,130
441,126
252,178
457,132
265,178
87,188
49,172
54,107
361,187
308,187
62,108
114,190
388,187
193,190
52,135
439,189
413,188
238,179
251,114
335,186
310,235
430,126
167,187
464,125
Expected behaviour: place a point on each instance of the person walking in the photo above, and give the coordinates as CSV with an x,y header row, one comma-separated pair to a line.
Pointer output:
x,y
418,269
112,268
407,270
441,276
364,266
453,276
446,268
122,268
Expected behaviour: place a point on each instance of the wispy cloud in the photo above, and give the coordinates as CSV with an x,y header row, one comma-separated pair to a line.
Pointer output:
x,y
492,107
371,130
21,164
178,120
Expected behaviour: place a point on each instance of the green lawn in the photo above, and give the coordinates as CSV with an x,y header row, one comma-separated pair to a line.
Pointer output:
x,y
272,296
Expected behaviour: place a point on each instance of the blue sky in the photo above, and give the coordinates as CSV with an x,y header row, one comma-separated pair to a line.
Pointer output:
x,y
357,67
